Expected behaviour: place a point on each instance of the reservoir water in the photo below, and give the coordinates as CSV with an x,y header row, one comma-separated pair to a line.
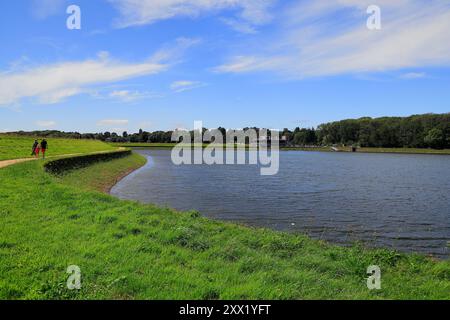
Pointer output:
x,y
384,200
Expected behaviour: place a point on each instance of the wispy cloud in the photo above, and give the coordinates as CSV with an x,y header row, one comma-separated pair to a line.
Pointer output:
x,y
52,83
46,123
141,12
413,75
125,95
130,96
240,26
172,52
310,43
112,122
183,85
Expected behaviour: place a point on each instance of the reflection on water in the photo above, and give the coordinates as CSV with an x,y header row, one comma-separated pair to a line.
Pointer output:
x,y
397,201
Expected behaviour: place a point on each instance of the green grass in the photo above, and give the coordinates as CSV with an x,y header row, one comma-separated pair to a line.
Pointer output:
x,y
102,176
15,147
128,250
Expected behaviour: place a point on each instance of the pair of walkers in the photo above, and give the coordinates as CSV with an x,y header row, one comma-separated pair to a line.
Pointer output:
x,y
39,147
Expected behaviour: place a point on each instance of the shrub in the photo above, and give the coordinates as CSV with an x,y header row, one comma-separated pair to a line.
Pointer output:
x,y
62,165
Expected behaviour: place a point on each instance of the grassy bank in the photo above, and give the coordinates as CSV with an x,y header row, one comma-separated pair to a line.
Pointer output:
x,y
16,147
102,176
128,250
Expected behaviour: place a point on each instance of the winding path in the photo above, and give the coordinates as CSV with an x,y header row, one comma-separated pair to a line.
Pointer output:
x,y
7,163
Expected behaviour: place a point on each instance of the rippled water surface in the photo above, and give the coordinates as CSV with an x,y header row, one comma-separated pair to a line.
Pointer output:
x,y
397,201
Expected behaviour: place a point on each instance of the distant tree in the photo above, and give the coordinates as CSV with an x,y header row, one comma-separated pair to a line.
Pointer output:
x,y
435,138
305,137
413,132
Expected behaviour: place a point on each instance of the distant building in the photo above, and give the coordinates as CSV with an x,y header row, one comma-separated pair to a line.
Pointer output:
x,y
283,141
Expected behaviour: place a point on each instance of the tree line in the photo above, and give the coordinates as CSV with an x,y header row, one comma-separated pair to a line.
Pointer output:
x,y
417,131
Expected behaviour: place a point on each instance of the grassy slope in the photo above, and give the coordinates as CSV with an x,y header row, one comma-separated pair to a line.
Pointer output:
x,y
130,250
102,176
12,147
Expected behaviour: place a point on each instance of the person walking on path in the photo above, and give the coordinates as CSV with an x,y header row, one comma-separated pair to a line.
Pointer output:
x,y
37,150
44,147
33,149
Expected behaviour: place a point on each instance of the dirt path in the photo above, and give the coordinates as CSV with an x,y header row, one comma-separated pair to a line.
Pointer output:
x,y
7,163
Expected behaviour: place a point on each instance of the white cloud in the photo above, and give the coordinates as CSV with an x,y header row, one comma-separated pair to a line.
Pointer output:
x,y
53,82
183,85
112,122
240,64
413,75
45,124
120,94
312,42
56,96
129,96
141,12
239,26
174,51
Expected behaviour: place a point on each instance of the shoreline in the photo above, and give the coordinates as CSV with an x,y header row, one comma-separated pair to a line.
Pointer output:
x,y
308,149
332,243
108,188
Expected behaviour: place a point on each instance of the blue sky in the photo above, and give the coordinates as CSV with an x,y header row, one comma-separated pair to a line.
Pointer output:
x,y
162,64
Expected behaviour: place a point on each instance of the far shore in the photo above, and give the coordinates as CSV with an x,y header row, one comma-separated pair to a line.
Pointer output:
x,y
313,148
